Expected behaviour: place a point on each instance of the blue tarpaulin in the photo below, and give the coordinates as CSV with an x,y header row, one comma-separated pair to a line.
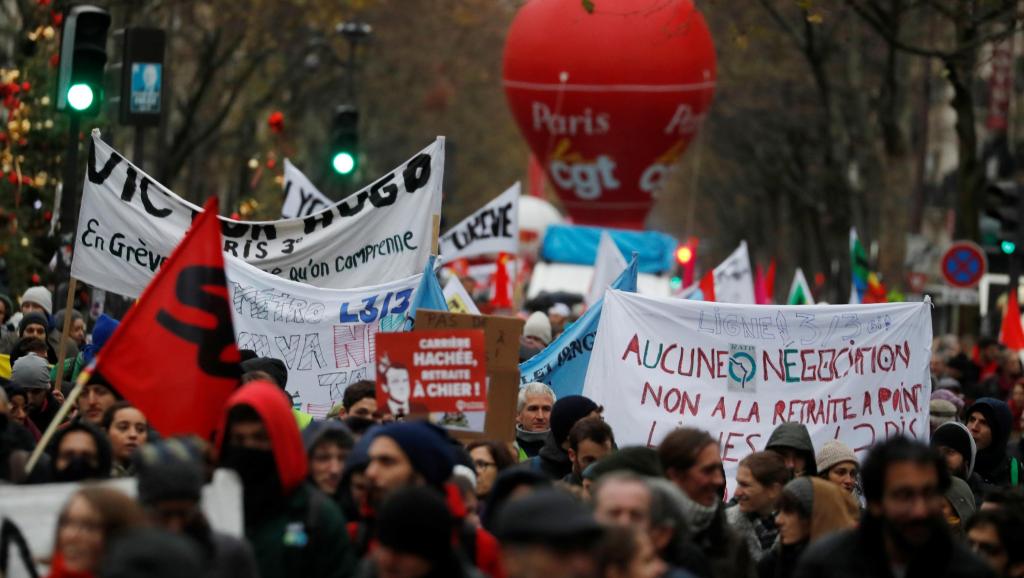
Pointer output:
x,y
578,245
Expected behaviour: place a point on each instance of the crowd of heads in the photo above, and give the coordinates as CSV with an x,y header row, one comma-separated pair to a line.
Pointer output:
x,y
361,492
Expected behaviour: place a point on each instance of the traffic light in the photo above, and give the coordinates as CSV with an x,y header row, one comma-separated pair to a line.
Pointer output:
x,y
83,54
344,144
686,259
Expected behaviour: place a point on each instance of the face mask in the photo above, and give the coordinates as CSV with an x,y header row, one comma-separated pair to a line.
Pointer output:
x,y
260,482
79,468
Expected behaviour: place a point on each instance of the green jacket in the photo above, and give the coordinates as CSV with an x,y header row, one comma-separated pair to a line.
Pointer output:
x,y
308,538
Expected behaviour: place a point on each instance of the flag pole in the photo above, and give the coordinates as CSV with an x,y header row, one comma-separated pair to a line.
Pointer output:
x,y
61,347
435,233
51,429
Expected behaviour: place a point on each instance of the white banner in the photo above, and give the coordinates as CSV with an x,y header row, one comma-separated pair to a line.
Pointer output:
x,y
301,198
129,224
856,373
608,265
458,299
734,279
494,228
326,337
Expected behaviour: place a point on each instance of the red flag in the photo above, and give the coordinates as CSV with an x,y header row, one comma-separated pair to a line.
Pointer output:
x,y
502,298
769,281
1012,334
707,286
174,355
760,294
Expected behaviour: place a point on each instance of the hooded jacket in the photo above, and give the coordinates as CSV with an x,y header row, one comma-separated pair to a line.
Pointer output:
x,y
307,536
794,435
993,464
551,460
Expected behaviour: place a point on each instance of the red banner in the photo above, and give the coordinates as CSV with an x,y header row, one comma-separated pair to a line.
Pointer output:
x,y
431,371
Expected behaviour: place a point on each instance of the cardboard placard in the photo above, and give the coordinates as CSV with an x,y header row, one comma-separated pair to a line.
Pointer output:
x,y
501,349
431,371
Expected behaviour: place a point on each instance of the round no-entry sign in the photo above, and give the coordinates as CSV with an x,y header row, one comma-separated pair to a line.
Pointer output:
x,y
964,264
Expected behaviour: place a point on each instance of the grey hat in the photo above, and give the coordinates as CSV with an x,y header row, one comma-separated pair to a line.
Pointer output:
x,y
803,490
547,517
961,498
31,372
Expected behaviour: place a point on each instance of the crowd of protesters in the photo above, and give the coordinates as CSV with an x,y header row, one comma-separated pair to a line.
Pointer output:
x,y
360,493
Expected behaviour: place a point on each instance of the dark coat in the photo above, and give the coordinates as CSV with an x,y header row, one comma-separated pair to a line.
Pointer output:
x,y
552,460
861,553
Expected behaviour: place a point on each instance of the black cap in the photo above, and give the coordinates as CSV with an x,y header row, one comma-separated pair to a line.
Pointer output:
x,y
548,517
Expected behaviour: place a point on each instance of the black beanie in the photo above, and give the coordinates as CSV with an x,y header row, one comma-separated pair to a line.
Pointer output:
x,y
954,437
640,460
169,470
566,412
275,368
152,553
33,318
415,520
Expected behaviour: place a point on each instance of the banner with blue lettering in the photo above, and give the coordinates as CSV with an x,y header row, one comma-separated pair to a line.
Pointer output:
x,y
563,364
326,337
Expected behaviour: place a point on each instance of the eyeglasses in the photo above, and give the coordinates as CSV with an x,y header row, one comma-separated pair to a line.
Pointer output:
x,y
985,548
482,465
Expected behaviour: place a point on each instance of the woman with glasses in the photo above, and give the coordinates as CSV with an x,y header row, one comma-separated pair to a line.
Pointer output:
x,y
91,519
489,458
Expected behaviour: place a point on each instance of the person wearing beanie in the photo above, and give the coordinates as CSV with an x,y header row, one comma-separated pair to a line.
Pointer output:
x,y
553,458
939,412
33,324
293,528
950,396
327,444
792,442
276,372
76,332
32,374
810,508
170,484
640,460
414,530
419,454
958,506
153,553
558,315
537,330
954,442
837,463
37,299
989,421
8,331
548,533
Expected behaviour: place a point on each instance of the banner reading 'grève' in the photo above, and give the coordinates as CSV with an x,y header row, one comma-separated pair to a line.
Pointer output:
x,y
857,373
129,223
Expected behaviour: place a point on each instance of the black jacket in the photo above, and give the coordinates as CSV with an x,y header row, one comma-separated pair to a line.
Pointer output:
x,y
860,553
552,460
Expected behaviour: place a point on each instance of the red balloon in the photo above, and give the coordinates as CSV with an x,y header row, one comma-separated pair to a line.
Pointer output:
x,y
608,100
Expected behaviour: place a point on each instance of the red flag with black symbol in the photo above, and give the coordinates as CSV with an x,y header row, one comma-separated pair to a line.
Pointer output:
x,y
174,356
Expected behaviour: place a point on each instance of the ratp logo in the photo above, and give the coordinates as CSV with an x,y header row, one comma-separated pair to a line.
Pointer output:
x,y
742,368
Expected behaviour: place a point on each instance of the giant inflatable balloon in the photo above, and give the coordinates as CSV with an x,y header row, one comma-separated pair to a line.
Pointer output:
x,y
609,99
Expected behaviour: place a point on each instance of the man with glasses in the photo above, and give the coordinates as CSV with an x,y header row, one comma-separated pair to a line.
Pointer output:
x,y
997,536
902,533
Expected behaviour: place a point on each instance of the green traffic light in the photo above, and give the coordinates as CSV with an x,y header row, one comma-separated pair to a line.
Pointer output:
x,y
343,163
1008,247
80,96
